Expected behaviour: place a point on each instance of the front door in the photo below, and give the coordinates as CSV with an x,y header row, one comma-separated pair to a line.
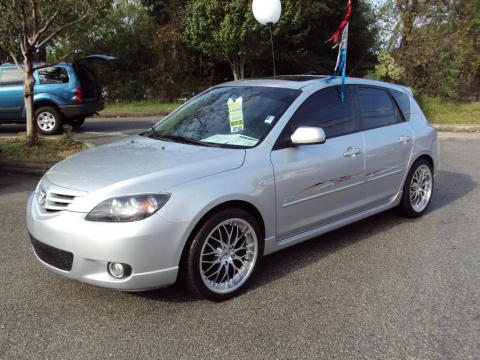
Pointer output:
x,y
316,184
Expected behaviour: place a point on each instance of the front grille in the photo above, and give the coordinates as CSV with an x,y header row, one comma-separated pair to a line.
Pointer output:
x,y
60,259
57,202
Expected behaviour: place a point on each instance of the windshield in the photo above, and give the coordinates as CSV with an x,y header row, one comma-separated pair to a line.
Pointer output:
x,y
227,116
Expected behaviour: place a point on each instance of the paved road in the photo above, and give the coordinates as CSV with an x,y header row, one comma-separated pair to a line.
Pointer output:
x,y
97,130
384,288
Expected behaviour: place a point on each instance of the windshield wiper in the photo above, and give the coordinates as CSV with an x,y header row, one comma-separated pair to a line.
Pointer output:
x,y
179,139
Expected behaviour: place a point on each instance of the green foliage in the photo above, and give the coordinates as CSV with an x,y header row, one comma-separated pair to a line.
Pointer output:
x,y
226,30
223,30
436,42
387,69
11,28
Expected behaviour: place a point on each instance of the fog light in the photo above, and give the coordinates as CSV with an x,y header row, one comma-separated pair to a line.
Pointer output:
x,y
118,270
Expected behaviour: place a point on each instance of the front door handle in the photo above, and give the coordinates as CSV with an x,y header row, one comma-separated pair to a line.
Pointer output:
x,y
404,139
352,152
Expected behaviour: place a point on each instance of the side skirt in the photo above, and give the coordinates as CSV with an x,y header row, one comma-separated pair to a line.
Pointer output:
x,y
272,245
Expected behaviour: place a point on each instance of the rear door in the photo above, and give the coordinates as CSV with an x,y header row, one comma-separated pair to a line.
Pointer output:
x,y
318,183
11,93
90,84
388,143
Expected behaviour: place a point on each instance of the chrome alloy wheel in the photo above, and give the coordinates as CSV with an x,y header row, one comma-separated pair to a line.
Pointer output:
x,y
421,188
228,255
46,121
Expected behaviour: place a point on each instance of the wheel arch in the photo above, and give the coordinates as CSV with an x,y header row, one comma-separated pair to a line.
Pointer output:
x,y
428,158
44,102
242,204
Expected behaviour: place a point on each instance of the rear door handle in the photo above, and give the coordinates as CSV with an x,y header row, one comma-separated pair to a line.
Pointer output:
x,y
404,139
352,152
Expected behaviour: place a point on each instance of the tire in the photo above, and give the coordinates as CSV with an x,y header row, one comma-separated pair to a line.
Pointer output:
x,y
76,123
416,198
217,256
49,121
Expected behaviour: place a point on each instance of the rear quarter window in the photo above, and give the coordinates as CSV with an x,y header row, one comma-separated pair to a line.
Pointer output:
x,y
403,102
53,75
10,77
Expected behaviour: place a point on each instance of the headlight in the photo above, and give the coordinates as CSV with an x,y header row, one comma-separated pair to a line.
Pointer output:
x,y
128,208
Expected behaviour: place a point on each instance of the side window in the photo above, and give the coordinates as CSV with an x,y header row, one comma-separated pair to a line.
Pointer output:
x,y
53,75
403,102
376,108
10,77
326,110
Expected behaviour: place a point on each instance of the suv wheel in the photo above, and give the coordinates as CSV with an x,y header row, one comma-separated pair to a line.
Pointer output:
x,y
49,121
223,255
417,190
76,123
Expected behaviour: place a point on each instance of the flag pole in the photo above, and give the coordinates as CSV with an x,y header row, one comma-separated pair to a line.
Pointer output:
x,y
340,38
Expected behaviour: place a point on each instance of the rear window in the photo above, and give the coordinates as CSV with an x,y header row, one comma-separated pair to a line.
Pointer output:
x,y
53,75
403,102
9,77
376,108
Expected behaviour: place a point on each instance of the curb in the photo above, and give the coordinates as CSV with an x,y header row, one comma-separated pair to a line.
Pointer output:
x,y
458,128
24,167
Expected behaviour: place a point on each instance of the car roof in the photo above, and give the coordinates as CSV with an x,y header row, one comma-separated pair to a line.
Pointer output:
x,y
281,81
303,81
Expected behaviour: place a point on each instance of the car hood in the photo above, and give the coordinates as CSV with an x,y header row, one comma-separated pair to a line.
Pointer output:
x,y
138,164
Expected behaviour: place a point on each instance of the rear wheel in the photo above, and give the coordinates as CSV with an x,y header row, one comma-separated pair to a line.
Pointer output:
x,y
76,123
49,121
417,190
224,255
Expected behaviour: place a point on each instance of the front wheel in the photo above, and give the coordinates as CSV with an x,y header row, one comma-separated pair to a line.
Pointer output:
x,y
224,255
417,190
48,120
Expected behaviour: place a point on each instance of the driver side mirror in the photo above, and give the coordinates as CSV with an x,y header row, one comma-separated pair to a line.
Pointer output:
x,y
305,135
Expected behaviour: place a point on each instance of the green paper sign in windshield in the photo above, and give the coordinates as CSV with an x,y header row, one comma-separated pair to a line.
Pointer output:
x,y
235,114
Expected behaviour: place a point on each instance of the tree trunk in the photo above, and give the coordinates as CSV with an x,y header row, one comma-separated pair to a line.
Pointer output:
x,y
237,64
28,88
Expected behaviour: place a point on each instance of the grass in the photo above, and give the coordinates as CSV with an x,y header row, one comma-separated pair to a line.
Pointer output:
x,y
47,151
143,108
451,112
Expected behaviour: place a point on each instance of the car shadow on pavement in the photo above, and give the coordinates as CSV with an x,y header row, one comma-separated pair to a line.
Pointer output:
x,y
450,187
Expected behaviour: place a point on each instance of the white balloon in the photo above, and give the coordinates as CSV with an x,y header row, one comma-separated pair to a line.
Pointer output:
x,y
267,11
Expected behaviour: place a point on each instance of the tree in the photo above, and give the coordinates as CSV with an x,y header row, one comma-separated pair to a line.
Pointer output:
x,y
227,30
436,43
224,30
125,32
30,25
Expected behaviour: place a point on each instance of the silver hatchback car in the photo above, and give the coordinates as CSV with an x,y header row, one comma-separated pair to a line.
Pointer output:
x,y
242,170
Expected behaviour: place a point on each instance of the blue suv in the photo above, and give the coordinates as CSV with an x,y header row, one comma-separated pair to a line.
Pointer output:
x,y
63,94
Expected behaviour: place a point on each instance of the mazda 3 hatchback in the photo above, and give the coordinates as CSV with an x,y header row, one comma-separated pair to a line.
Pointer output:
x,y
240,171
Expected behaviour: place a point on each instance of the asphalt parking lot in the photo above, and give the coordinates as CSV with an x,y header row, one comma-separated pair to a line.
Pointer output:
x,y
383,288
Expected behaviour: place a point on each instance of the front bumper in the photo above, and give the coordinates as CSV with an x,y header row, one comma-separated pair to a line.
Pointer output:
x,y
82,110
152,247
